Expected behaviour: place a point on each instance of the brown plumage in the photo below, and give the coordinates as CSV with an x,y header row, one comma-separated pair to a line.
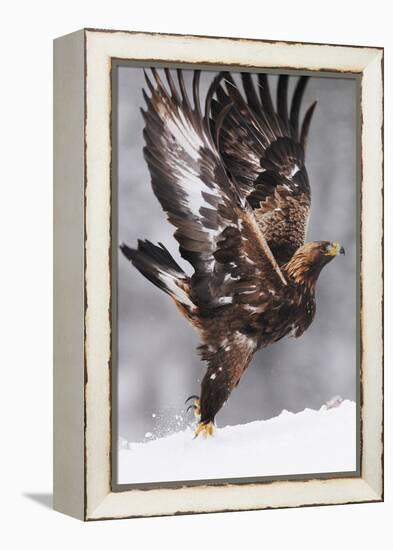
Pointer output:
x,y
233,182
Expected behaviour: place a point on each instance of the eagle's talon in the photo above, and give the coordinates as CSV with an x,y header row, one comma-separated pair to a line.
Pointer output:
x,y
204,428
196,406
191,397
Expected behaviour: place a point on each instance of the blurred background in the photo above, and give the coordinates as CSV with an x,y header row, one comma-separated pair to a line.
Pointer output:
x,y
158,367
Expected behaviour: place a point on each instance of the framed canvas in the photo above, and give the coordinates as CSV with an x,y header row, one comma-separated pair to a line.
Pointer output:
x,y
184,171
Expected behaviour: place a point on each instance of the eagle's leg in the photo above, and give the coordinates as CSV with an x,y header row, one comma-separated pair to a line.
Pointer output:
x,y
225,368
215,390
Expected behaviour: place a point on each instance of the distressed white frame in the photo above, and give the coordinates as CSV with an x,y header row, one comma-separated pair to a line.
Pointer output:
x,y
96,499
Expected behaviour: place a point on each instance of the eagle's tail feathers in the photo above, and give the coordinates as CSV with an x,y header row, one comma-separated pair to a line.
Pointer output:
x,y
158,266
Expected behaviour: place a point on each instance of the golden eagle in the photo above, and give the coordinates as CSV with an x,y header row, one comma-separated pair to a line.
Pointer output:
x,y
233,182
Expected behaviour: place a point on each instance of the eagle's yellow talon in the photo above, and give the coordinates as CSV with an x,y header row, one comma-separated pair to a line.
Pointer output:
x,y
195,406
204,428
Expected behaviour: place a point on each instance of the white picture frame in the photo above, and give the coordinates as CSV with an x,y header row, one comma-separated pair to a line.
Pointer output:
x,y
82,257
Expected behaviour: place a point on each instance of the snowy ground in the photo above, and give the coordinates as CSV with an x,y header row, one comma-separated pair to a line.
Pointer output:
x,y
303,443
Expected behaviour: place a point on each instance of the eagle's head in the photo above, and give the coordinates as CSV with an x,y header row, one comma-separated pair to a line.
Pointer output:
x,y
322,252
306,264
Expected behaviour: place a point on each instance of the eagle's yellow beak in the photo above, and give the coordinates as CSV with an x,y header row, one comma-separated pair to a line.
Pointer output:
x,y
334,250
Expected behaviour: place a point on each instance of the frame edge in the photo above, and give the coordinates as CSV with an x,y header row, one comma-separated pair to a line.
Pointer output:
x,y
68,293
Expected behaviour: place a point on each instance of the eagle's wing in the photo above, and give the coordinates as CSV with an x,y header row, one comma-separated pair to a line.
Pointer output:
x,y
264,151
213,221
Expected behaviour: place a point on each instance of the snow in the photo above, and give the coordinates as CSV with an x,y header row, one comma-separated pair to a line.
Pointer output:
x,y
307,442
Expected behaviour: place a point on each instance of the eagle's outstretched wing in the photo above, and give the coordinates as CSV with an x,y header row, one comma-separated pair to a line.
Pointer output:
x,y
263,149
215,226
